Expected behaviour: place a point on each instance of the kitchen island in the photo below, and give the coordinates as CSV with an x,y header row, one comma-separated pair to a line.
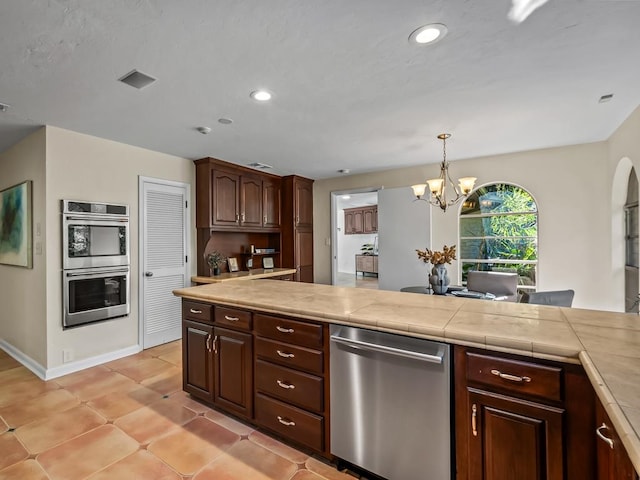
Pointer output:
x,y
606,344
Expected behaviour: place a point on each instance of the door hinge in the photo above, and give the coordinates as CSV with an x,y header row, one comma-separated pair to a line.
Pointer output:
x,y
186,259
186,204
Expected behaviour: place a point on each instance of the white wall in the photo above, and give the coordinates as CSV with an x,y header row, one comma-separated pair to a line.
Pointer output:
x,y
23,290
570,186
82,167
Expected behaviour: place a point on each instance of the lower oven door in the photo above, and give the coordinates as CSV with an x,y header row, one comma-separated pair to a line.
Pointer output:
x,y
95,294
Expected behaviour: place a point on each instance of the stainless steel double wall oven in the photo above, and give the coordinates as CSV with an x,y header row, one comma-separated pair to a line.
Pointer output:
x,y
95,261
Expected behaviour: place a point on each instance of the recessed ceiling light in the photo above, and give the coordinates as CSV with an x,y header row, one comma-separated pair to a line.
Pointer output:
x,y
261,95
204,130
4,107
432,33
225,121
344,170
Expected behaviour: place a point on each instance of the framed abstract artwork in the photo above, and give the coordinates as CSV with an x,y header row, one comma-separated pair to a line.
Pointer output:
x,y
15,225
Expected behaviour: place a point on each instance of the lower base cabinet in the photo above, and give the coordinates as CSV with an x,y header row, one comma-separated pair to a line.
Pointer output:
x,y
268,369
522,418
613,462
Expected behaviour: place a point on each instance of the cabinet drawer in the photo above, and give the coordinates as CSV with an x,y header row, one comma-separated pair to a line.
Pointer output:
x,y
298,425
289,331
233,318
289,385
290,355
201,312
515,376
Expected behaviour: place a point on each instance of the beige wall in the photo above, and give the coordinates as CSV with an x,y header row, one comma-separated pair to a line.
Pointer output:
x,y
82,167
573,202
23,290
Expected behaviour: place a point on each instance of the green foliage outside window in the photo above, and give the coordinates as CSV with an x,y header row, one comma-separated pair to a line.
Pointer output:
x,y
499,231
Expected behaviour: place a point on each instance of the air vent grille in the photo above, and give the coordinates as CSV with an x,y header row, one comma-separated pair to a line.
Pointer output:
x,y
137,79
260,166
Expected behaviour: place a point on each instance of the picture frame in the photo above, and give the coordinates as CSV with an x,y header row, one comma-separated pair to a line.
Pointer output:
x,y
233,264
16,241
267,262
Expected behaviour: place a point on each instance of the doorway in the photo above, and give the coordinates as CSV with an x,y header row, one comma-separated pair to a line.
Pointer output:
x,y
354,252
163,258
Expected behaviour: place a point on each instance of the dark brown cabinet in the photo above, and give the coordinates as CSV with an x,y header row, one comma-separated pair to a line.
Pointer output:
x,y
197,378
217,354
521,418
271,192
613,461
251,199
281,384
360,220
233,357
297,226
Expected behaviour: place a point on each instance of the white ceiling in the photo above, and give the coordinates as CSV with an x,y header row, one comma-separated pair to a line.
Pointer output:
x,y
349,90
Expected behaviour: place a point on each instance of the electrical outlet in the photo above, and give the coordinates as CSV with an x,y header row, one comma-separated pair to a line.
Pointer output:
x,y
67,355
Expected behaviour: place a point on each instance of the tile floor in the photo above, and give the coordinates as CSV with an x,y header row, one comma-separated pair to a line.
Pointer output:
x,y
358,281
130,419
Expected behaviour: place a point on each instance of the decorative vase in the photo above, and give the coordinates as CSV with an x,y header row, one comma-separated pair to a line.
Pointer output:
x,y
439,280
215,271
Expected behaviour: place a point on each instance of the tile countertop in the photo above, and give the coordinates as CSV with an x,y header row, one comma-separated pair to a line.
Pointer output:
x,y
607,344
245,275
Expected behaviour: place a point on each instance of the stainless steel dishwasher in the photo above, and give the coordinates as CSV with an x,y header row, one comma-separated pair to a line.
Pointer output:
x,y
390,404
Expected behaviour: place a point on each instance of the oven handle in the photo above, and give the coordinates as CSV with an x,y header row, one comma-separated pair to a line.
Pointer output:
x,y
89,274
98,219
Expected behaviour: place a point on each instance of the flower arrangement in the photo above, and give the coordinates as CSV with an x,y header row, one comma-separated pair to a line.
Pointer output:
x,y
437,258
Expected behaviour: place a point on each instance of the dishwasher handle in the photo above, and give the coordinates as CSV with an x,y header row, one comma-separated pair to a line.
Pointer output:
x,y
374,347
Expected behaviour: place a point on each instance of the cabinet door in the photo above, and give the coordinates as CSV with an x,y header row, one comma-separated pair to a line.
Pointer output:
x,y
375,264
225,194
358,221
368,223
374,219
613,461
271,204
197,359
233,367
304,256
511,438
349,226
250,201
303,203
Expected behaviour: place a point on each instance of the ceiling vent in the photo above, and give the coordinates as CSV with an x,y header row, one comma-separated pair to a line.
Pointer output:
x,y
4,107
137,79
605,98
260,166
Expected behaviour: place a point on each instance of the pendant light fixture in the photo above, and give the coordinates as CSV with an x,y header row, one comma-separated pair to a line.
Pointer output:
x,y
438,186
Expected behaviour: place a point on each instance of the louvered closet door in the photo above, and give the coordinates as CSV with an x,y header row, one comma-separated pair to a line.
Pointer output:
x,y
163,259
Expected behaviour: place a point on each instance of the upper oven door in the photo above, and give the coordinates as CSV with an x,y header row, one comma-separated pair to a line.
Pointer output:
x,y
89,242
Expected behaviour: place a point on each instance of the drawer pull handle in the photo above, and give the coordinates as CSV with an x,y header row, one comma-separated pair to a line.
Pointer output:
x,y
287,386
285,354
285,330
601,435
474,413
513,378
193,310
231,319
284,421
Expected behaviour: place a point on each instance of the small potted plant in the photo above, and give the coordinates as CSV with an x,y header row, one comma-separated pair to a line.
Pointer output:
x,y
215,259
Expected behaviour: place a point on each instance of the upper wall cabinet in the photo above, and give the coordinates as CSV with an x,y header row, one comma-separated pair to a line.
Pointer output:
x,y
361,220
230,197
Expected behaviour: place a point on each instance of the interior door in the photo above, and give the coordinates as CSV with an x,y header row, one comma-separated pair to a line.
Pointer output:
x,y
163,258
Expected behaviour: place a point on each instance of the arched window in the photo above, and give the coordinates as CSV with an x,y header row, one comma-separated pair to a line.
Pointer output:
x,y
499,232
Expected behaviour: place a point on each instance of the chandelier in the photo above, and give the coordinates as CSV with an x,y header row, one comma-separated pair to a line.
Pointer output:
x,y
438,186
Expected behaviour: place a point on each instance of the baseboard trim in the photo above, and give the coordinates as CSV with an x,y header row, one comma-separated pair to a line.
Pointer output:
x,y
24,359
67,368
